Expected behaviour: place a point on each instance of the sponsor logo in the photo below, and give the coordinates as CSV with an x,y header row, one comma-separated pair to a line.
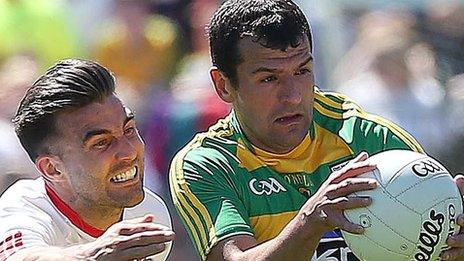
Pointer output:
x,y
339,166
301,181
430,235
306,192
452,219
338,254
426,167
333,249
452,223
266,187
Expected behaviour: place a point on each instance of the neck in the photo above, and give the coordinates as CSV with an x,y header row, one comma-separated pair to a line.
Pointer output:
x,y
78,210
97,216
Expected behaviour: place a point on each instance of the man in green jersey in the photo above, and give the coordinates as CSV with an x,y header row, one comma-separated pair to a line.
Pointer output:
x,y
270,181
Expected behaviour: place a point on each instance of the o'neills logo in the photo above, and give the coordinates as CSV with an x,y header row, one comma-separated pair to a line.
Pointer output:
x,y
430,236
426,167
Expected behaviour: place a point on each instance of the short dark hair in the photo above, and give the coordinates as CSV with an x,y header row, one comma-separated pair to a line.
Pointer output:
x,y
276,24
69,84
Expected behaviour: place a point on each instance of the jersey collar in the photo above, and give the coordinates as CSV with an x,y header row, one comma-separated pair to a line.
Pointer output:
x,y
75,219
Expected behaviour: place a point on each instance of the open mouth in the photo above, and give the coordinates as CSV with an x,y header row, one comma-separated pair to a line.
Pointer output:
x,y
289,119
125,176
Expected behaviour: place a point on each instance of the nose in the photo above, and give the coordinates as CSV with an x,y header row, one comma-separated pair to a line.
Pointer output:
x,y
126,151
290,91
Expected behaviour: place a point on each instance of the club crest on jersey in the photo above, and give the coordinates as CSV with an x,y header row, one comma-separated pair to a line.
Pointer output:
x,y
266,186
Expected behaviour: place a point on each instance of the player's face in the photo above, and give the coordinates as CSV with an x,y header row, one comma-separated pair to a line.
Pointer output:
x,y
274,96
102,154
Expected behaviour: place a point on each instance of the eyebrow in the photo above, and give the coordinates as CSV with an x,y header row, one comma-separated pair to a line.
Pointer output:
x,y
89,134
273,70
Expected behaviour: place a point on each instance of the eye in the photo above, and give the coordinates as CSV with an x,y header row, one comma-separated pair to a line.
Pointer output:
x,y
130,131
268,79
303,71
101,144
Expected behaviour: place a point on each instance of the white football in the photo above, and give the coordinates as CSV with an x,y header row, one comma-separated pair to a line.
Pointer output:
x,y
414,209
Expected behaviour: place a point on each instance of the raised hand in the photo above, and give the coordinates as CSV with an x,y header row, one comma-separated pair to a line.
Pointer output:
x,y
324,210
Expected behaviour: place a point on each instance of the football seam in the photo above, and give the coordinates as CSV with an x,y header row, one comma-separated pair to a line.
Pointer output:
x,y
437,175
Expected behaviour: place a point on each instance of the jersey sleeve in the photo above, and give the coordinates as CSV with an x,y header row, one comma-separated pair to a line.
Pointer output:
x,y
361,130
373,133
206,198
20,230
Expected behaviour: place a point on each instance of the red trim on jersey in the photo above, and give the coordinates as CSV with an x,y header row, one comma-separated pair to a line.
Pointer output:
x,y
9,246
72,215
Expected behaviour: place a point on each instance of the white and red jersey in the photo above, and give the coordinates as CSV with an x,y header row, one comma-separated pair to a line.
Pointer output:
x,y
32,215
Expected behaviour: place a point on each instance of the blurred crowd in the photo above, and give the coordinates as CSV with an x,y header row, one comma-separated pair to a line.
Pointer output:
x,y
402,61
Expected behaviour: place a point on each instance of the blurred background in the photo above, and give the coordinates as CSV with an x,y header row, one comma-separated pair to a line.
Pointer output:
x,y
403,60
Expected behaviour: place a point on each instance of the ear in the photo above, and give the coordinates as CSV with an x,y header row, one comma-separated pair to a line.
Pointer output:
x,y
51,167
222,85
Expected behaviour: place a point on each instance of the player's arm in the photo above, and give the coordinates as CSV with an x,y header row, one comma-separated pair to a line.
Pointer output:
x,y
287,245
129,239
321,213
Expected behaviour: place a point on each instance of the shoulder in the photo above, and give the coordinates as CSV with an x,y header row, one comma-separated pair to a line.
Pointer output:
x,y
335,105
362,130
26,195
25,209
218,144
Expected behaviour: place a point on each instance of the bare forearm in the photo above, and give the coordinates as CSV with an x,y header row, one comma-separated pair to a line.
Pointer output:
x,y
288,245
50,253
127,240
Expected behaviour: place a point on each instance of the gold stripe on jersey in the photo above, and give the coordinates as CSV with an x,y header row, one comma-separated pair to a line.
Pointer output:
x,y
405,136
199,244
182,190
269,226
301,159
319,96
247,158
188,216
352,109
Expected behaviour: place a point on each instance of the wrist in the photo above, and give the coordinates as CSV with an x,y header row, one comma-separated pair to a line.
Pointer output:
x,y
312,227
82,251
304,228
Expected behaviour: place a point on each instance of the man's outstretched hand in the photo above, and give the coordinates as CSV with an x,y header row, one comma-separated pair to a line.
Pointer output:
x,y
129,239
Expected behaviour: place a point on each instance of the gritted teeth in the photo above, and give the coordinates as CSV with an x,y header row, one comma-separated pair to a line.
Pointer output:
x,y
125,176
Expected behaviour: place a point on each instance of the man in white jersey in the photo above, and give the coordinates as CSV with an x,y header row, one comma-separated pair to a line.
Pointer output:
x,y
89,202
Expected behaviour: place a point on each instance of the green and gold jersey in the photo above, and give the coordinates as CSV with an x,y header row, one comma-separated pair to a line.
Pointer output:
x,y
223,186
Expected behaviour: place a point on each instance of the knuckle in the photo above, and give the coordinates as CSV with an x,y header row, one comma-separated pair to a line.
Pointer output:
x,y
329,196
117,241
119,228
331,189
346,183
139,237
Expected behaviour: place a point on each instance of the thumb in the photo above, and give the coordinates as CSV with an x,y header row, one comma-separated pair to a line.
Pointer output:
x,y
459,180
145,219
